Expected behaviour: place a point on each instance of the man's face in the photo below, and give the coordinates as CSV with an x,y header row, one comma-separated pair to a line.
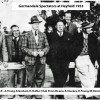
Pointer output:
x,y
35,26
60,26
68,17
15,31
50,29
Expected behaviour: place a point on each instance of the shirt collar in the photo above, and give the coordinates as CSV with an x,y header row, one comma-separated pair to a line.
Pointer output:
x,y
85,35
16,38
60,34
33,31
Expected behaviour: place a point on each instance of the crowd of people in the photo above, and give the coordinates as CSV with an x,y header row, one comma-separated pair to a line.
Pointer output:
x,y
65,45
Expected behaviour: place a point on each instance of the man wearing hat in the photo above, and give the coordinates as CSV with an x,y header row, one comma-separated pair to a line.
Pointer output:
x,y
85,50
35,47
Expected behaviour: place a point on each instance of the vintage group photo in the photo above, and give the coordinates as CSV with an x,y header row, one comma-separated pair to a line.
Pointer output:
x,y
50,49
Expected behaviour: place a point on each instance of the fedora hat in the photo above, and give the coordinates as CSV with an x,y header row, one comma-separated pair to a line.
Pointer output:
x,y
34,19
87,25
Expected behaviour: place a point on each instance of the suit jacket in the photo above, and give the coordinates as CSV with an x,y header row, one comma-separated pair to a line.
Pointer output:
x,y
11,49
72,29
29,45
3,48
77,46
59,48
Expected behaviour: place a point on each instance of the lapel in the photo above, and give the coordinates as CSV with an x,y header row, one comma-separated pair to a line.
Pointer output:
x,y
58,34
12,42
0,39
70,26
39,37
20,41
32,37
81,38
10,45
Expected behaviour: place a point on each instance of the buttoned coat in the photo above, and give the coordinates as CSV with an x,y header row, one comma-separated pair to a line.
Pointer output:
x,y
29,45
11,48
59,47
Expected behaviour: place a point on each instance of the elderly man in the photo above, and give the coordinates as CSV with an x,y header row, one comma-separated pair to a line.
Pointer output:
x,y
35,47
85,50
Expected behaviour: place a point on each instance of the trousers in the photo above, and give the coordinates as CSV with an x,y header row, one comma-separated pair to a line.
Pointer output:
x,y
21,77
35,74
86,71
60,73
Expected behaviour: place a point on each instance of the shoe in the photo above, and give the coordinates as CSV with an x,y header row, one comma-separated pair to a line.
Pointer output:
x,y
95,97
53,96
81,97
71,84
89,98
11,96
29,96
38,96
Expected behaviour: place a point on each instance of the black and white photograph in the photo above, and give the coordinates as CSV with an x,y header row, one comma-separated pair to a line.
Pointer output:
x,y
49,49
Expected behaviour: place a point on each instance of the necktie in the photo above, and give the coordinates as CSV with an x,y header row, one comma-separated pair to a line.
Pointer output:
x,y
60,34
36,36
68,27
35,33
16,40
16,49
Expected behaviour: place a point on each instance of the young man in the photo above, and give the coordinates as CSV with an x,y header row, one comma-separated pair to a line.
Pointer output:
x,y
85,50
14,42
35,47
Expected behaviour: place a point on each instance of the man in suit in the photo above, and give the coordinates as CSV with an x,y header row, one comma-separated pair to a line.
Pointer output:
x,y
14,42
57,56
35,47
85,52
3,49
71,28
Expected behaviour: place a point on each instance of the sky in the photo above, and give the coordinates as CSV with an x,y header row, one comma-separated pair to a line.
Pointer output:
x,y
9,17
